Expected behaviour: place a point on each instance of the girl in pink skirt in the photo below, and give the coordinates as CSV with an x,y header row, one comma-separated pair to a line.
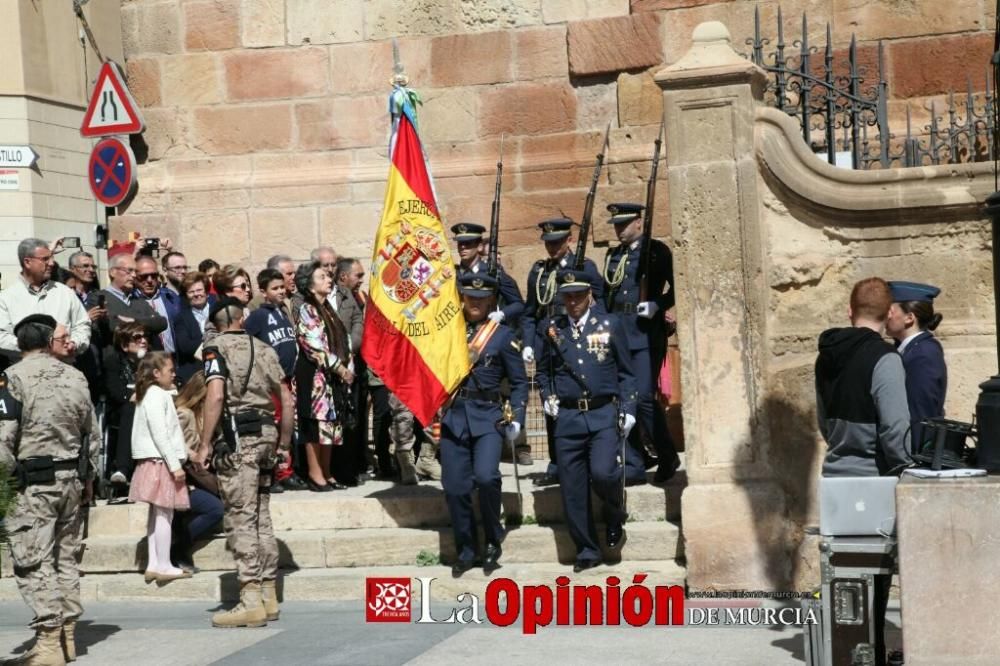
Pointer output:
x,y
159,450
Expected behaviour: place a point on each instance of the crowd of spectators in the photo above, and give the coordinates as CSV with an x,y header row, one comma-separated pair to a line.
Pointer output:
x,y
153,300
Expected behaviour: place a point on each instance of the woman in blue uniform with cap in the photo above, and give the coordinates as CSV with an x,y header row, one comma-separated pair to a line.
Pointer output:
x,y
910,323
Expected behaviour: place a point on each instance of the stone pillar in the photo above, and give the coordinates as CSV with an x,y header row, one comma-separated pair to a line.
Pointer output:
x,y
949,546
733,511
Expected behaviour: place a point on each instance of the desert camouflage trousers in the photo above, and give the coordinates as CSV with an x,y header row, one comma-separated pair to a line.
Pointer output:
x,y
45,529
401,430
244,485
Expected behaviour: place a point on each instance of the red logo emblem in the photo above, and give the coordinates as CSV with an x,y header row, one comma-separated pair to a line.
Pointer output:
x,y
387,599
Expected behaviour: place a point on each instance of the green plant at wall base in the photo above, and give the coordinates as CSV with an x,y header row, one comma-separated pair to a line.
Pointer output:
x,y
529,520
426,558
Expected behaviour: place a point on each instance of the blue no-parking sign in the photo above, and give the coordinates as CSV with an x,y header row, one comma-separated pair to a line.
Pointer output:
x,y
112,171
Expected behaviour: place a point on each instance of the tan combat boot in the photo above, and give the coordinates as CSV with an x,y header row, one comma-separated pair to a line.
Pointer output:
x,y
47,650
69,640
269,593
248,613
407,472
427,465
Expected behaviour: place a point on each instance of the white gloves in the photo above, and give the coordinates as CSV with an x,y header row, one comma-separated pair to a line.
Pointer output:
x,y
647,309
629,424
497,316
551,407
528,354
512,430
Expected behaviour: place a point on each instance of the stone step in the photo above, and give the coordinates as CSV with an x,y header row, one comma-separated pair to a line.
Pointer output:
x,y
348,584
365,547
382,504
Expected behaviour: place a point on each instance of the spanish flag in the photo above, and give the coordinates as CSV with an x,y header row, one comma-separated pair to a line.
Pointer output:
x,y
414,328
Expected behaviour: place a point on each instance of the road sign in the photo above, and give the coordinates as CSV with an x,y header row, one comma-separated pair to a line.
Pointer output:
x,y
112,109
111,172
18,157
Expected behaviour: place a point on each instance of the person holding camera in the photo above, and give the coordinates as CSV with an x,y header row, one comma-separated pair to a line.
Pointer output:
x,y
50,437
243,373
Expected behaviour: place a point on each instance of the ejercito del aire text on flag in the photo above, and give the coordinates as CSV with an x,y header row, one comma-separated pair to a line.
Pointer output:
x,y
414,328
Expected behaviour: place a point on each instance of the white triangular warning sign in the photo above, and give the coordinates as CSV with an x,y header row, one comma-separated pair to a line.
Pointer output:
x,y
112,109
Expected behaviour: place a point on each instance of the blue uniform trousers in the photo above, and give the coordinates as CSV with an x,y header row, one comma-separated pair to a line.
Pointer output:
x,y
469,462
590,457
650,417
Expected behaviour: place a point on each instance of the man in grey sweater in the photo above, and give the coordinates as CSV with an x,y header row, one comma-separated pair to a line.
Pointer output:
x,y
861,406
861,390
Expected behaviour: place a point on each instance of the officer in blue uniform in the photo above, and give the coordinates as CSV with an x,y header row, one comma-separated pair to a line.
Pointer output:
x,y
469,238
472,431
910,323
648,326
542,303
588,387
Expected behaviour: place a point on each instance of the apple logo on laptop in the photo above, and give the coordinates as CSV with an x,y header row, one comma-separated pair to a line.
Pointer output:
x,y
859,506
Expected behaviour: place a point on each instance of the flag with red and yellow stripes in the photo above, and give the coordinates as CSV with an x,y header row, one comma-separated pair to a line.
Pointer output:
x,y
414,328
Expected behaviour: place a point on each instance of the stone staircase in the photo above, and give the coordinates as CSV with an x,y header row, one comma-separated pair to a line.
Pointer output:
x,y
329,543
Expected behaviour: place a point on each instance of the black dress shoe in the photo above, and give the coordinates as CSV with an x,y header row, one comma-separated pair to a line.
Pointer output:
x,y
316,488
276,487
546,480
294,483
492,560
666,471
637,481
460,567
583,565
616,536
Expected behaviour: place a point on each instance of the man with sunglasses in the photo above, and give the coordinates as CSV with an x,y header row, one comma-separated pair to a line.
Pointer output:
x,y
120,301
166,302
35,292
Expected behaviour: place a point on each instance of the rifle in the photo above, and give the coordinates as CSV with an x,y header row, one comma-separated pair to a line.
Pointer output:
x,y
647,221
588,206
492,262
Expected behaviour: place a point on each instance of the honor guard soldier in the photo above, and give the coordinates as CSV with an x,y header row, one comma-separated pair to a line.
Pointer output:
x,y
242,374
475,425
469,238
543,303
648,328
50,439
588,387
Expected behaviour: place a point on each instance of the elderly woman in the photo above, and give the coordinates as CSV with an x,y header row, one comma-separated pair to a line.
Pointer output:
x,y
323,373
130,344
189,326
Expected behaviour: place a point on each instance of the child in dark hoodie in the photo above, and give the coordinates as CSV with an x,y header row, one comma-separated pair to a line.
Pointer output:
x,y
861,406
270,323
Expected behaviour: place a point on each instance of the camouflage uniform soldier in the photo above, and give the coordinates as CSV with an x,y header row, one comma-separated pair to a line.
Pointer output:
x,y
403,438
242,374
49,434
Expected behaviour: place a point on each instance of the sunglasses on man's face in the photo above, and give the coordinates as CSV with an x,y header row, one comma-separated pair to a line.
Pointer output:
x,y
148,276
241,285
137,337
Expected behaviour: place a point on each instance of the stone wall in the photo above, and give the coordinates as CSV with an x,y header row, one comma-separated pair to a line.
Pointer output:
x,y
267,124
769,240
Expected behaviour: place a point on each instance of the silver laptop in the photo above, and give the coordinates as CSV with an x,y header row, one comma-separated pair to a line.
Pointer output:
x,y
857,506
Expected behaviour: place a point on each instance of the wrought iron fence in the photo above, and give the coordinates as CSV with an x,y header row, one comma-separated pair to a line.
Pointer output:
x,y
843,108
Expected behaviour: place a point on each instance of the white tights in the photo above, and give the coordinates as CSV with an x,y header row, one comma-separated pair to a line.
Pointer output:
x,y
158,540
